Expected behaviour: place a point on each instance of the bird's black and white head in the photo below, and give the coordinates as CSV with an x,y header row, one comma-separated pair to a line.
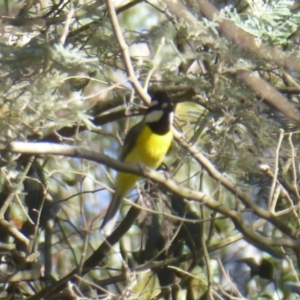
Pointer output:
x,y
160,113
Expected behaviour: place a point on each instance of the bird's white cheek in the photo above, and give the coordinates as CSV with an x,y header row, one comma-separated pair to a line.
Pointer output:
x,y
154,116
171,118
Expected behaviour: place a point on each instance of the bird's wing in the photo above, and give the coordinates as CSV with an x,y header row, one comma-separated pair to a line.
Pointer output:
x,y
130,140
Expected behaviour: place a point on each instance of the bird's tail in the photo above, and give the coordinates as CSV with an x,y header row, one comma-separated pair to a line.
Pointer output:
x,y
111,216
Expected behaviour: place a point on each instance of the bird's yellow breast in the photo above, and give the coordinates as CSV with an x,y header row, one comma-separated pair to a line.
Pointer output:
x,y
150,148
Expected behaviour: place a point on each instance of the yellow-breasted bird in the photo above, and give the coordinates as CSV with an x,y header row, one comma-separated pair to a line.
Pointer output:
x,y
147,142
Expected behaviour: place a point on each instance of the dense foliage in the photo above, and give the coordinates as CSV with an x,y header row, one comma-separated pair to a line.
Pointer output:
x,y
219,219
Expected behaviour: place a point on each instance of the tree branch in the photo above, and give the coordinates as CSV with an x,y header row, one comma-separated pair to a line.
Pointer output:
x,y
140,170
125,52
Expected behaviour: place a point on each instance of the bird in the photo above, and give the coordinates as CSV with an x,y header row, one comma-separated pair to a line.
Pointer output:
x,y
146,143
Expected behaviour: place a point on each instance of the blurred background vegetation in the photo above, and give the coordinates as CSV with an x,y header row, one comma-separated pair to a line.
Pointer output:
x,y
232,69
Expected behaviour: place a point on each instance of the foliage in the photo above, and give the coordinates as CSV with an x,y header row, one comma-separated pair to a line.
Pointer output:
x,y
271,22
64,80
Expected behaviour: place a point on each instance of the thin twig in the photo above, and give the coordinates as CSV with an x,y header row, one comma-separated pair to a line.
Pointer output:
x,y
161,45
179,270
295,180
39,212
271,196
16,188
234,288
67,26
125,52
206,256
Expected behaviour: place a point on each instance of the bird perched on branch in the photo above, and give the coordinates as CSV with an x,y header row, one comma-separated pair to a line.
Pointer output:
x,y
147,142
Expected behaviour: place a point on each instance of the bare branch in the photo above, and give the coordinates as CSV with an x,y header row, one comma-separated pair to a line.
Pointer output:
x,y
46,148
269,94
125,53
